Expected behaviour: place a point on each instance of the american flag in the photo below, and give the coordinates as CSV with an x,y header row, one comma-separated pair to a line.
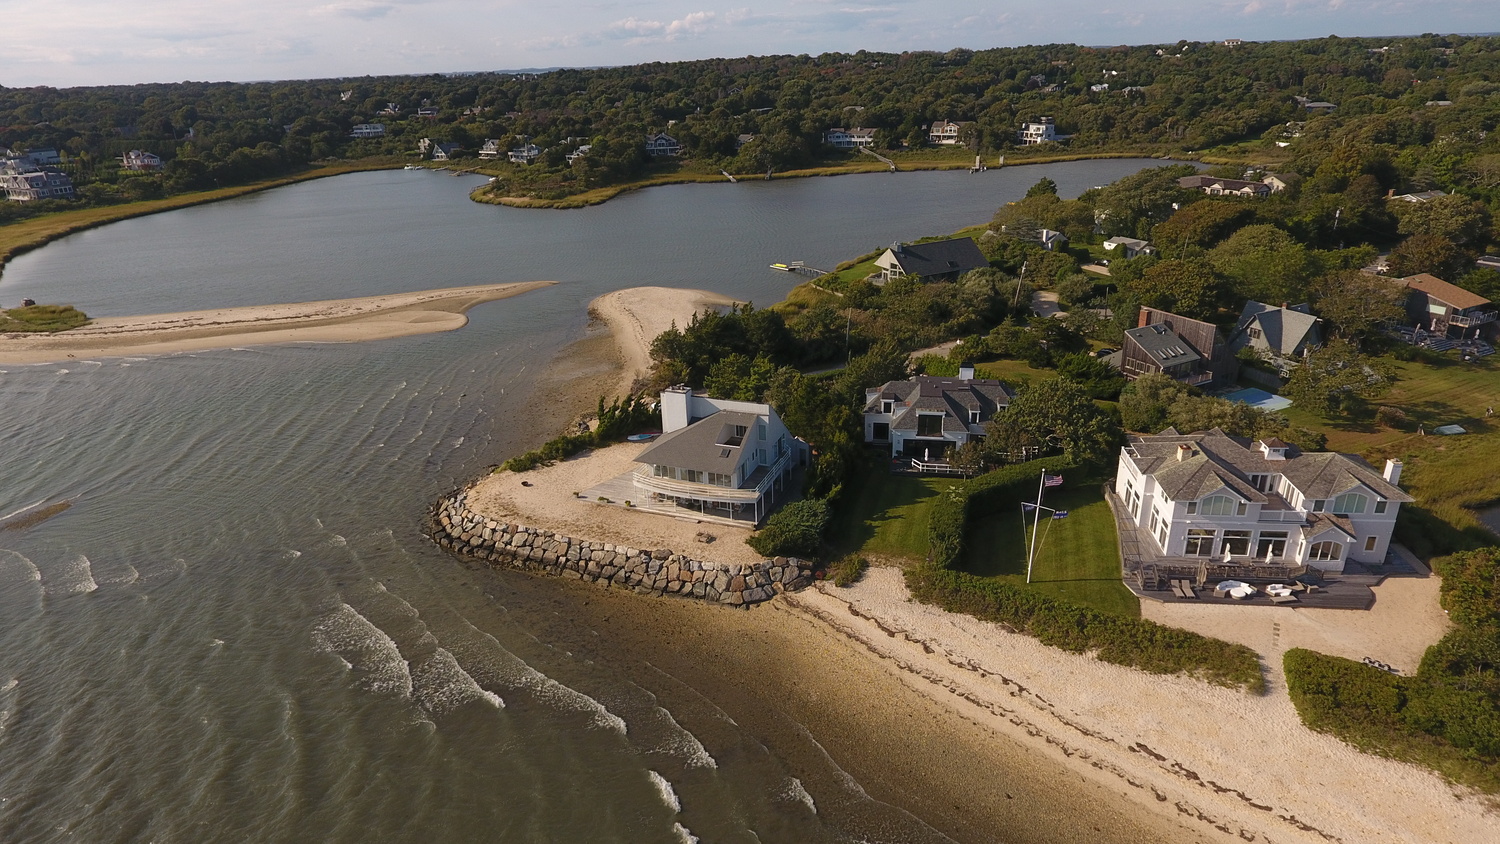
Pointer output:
x,y
1052,480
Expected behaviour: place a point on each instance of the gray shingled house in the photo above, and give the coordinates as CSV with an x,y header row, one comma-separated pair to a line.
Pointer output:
x,y
925,417
935,261
1283,335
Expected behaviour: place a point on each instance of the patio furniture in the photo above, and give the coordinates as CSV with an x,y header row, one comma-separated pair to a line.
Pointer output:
x,y
1283,599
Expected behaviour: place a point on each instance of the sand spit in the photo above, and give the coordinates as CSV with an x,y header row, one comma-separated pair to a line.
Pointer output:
x,y
636,316
329,321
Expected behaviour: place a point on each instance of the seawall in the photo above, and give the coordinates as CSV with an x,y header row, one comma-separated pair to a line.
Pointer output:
x,y
654,572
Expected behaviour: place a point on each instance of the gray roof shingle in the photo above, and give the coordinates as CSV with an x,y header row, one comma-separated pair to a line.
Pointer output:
x,y
956,255
701,445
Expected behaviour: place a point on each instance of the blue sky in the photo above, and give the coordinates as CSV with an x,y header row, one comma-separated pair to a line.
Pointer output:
x,y
93,42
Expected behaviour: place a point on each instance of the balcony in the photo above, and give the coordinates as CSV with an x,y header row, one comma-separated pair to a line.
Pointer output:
x,y
1473,320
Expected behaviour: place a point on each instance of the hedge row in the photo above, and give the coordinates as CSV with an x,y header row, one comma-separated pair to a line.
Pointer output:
x,y
1116,639
1447,715
950,514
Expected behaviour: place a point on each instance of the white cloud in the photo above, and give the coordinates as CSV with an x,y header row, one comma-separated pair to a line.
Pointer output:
x,y
642,31
365,10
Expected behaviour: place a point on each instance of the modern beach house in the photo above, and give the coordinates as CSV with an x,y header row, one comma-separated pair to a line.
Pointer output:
x,y
720,458
1212,497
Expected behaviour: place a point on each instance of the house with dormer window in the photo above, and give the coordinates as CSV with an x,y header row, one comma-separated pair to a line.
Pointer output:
x,y
721,458
1212,497
926,417
934,261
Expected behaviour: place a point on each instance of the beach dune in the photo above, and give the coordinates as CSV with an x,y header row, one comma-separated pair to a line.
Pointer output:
x,y
636,316
327,321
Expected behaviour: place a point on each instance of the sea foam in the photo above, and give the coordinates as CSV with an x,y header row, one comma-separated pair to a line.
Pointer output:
x,y
366,649
665,791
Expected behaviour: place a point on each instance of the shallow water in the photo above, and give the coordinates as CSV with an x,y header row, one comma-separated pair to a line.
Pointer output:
x,y
239,632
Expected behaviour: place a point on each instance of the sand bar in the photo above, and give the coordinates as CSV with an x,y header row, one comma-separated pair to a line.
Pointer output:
x,y
637,315
328,321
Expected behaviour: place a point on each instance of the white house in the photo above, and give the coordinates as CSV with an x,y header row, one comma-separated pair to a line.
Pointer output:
x,y
368,130
722,458
1219,498
1129,247
524,154
945,132
140,161
491,150
36,184
925,417
849,138
582,151
1039,131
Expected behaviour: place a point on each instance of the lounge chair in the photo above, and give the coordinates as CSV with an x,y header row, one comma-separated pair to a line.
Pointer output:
x,y
1283,599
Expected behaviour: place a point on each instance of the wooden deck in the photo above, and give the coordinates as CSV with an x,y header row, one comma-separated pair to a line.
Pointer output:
x,y
1336,593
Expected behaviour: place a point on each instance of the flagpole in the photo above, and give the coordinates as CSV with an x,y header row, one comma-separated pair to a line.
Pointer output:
x,y
1035,522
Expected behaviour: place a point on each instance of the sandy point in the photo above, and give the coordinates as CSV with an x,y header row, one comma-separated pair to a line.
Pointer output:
x,y
327,321
636,315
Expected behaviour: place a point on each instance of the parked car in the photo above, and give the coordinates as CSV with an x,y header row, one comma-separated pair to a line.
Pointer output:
x,y
1105,352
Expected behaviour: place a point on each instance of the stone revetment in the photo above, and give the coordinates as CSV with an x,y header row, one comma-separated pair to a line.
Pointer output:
x,y
655,572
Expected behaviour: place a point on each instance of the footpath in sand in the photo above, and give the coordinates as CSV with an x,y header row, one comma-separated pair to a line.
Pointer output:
x,y
1221,759
329,321
636,316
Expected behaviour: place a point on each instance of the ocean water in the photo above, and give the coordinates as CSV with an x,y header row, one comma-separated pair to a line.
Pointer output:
x,y
238,632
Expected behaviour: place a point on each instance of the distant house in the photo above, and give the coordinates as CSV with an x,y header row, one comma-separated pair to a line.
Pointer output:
x,y
1210,497
849,138
1419,197
390,110
741,139
491,150
1233,42
43,157
1039,131
572,157
925,417
1448,310
945,132
444,152
1051,240
662,144
1439,103
524,154
938,260
1281,334
140,162
428,112
1129,247
36,184
1315,106
1488,262
1183,349
1099,88
727,459
1279,182
368,130
1214,186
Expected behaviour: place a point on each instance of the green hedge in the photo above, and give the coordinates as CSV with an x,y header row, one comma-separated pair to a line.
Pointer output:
x,y
949,516
1447,715
1116,639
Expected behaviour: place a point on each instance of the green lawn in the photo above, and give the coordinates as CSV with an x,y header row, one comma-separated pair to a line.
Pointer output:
x,y
883,515
1078,558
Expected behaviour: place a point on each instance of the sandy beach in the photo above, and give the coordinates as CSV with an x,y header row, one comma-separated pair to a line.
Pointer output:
x,y
636,315
328,321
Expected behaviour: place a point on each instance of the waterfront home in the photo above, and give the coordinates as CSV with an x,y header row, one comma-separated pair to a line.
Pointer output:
x,y
1418,197
856,138
945,132
935,261
727,459
490,150
444,152
36,184
428,112
1183,349
741,139
1039,131
368,130
1214,186
1281,335
1279,182
1129,247
525,154
1051,240
572,157
925,417
47,157
662,144
1211,497
139,161
1447,310
390,110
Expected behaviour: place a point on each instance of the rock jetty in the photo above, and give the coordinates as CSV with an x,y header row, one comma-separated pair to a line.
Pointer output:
x,y
654,572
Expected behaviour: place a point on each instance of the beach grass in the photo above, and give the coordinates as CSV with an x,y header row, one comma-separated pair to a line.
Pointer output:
x,y
1078,557
24,235
42,319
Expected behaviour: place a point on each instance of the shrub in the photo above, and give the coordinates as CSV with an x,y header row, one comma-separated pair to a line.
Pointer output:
x,y
848,569
794,530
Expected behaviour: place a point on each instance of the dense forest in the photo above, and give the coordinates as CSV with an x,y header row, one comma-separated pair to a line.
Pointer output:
x,y
1174,99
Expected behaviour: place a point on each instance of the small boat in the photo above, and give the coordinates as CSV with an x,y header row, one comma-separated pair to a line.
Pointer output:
x,y
639,438
782,267
411,167
787,268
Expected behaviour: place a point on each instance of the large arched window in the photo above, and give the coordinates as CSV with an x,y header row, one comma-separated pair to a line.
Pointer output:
x,y
1350,502
1327,550
1216,505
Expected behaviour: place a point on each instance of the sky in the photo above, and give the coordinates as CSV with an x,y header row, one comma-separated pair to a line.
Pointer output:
x,y
66,43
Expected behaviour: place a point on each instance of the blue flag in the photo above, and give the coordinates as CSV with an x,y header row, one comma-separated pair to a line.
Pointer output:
x,y
1027,508
1060,514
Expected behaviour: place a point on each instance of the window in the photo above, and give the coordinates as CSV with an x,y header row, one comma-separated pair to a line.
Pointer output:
x,y
1161,536
718,479
1192,507
692,476
1261,482
880,431
1370,542
1135,504
1253,332
1318,505
1381,505
1272,545
1237,542
887,406
1349,503
1218,505
1326,550
1155,521
760,431
1200,542
973,417
929,425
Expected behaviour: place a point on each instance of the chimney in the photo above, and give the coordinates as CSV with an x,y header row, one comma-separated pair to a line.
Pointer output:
x,y
1390,193
966,372
1145,318
1392,472
1184,451
675,403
